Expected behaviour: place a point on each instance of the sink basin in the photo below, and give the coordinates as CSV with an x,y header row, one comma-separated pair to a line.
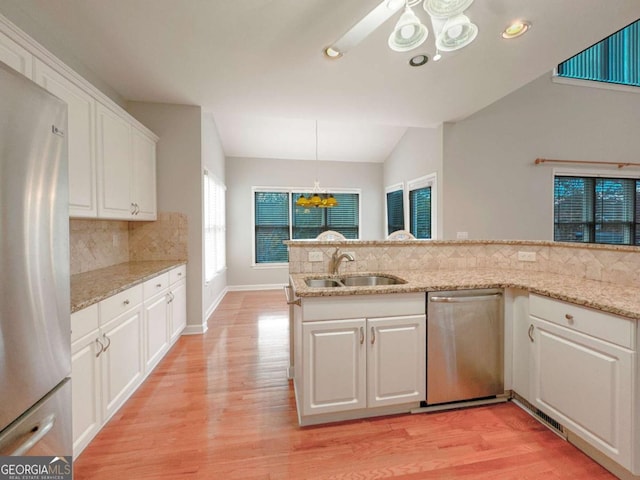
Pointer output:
x,y
370,280
322,282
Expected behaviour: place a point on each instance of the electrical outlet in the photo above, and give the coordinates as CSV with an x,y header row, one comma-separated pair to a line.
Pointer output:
x,y
527,256
462,235
116,240
315,256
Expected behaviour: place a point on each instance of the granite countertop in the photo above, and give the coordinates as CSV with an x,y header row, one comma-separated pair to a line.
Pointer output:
x,y
607,297
91,287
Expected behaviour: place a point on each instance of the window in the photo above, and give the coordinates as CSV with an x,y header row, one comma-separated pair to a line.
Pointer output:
x,y
214,226
421,207
395,209
616,59
271,226
596,210
277,219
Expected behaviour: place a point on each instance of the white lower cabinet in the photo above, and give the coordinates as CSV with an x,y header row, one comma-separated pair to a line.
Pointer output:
x,y
358,367
116,343
582,376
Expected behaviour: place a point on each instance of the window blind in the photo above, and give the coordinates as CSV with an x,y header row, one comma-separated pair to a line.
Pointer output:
x,y
616,59
271,226
596,210
395,211
420,212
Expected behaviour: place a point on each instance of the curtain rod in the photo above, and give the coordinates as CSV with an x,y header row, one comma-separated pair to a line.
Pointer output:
x,y
540,161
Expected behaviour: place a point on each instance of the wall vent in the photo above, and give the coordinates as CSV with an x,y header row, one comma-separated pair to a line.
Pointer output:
x,y
550,422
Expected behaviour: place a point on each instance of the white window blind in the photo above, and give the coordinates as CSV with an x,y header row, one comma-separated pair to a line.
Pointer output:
x,y
214,226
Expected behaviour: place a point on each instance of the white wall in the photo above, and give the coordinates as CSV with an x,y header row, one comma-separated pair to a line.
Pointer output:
x,y
213,159
492,188
180,187
245,173
418,153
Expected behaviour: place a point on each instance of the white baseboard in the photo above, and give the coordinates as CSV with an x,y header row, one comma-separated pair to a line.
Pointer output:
x,y
195,329
249,288
215,304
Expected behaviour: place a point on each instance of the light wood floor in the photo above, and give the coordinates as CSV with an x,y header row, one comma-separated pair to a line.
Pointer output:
x,y
219,406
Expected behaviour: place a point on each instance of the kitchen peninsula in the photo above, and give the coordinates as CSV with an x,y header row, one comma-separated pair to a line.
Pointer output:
x,y
570,327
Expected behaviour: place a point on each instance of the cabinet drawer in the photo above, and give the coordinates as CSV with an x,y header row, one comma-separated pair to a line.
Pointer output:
x,y
605,326
84,322
177,274
119,303
156,285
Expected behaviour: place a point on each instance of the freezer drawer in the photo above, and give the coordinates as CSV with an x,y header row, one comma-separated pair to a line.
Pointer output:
x,y
43,430
465,346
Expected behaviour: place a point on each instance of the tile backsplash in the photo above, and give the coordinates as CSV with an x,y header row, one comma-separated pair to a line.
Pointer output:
x,y
96,244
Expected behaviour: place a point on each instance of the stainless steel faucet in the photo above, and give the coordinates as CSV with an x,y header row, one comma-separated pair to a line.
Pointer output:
x,y
336,260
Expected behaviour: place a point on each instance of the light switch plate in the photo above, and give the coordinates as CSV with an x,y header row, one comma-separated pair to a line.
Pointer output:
x,y
462,235
315,256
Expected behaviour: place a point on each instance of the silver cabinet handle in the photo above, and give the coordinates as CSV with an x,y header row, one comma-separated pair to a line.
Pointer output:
x,y
569,317
108,340
173,297
361,335
373,335
137,209
133,208
38,431
126,302
287,293
462,299
100,344
530,332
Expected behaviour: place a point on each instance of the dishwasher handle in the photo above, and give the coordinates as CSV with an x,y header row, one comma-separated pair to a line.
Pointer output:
x,y
463,299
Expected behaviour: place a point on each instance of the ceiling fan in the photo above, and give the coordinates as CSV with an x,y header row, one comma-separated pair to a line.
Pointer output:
x,y
452,28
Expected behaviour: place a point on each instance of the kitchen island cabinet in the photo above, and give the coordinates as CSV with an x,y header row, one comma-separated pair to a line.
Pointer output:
x,y
357,357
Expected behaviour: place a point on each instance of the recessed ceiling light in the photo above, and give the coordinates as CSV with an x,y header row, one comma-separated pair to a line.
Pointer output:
x,y
516,29
418,60
332,53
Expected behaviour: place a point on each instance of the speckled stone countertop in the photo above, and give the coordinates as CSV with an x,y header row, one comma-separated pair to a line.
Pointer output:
x,y
91,287
608,297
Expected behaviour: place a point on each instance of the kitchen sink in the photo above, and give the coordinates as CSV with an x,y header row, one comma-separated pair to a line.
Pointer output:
x,y
322,282
370,280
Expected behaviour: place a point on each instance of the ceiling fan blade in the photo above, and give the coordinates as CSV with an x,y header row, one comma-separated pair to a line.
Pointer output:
x,y
367,25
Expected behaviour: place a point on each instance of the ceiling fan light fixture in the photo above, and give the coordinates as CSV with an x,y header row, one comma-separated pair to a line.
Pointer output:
x,y
516,29
457,33
409,32
446,8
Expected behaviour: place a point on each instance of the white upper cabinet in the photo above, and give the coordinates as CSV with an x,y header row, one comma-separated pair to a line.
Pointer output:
x,y
114,165
80,137
144,175
15,56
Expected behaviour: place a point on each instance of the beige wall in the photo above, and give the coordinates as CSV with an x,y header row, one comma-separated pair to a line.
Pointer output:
x,y
492,188
244,173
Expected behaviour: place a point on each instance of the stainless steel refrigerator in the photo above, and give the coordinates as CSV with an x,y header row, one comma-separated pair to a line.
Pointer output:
x,y
35,351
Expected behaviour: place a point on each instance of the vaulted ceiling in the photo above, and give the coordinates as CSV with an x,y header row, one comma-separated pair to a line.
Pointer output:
x,y
258,64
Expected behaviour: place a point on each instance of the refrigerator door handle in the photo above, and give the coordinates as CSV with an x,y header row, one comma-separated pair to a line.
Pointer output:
x,y
473,298
36,434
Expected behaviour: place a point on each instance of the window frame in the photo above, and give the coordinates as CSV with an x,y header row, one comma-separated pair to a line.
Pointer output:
x,y
591,173
430,180
397,187
291,191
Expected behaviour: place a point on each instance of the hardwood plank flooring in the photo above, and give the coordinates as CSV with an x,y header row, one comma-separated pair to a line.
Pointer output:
x,y
219,406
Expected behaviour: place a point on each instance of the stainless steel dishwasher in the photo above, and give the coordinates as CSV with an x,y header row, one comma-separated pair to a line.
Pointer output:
x,y
465,345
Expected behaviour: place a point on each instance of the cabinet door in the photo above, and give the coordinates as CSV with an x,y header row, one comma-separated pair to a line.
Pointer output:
x,y
156,331
334,363
585,384
178,309
396,361
80,138
144,176
114,165
85,388
122,360
522,346
15,56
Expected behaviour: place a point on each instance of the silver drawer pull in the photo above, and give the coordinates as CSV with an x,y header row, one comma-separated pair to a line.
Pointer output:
x,y
158,285
530,332
126,302
101,345
569,317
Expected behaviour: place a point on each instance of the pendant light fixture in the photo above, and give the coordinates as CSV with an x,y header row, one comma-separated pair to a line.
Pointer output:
x,y
317,198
